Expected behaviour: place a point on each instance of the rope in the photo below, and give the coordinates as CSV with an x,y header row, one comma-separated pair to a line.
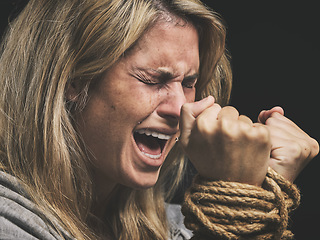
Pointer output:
x,y
229,210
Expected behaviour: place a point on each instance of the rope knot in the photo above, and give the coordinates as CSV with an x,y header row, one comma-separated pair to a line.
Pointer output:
x,y
230,210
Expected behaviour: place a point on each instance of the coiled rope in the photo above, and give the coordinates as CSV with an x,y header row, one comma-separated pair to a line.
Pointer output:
x,y
229,210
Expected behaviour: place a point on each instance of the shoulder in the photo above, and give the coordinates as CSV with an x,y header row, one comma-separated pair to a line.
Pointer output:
x,y
19,217
175,219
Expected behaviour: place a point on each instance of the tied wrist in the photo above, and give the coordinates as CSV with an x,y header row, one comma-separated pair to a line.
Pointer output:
x,y
230,210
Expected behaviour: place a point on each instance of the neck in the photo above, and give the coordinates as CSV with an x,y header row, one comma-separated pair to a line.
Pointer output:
x,y
102,197
102,192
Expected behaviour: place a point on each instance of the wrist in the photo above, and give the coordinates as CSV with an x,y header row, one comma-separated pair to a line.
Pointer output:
x,y
228,210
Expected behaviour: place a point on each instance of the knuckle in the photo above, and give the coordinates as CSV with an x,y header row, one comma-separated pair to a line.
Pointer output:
x,y
261,138
217,106
309,148
244,127
228,127
305,148
246,120
201,123
296,150
204,126
230,108
314,147
262,134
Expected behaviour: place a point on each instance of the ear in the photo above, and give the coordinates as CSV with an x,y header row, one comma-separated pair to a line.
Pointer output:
x,y
72,91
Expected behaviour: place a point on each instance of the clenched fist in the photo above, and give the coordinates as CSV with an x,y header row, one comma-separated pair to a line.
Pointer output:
x,y
292,149
223,145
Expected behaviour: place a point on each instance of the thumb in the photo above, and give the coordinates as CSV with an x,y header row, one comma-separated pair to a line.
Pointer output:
x,y
265,114
189,112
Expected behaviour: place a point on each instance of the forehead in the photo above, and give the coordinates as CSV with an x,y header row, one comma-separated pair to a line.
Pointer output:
x,y
168,45
165,33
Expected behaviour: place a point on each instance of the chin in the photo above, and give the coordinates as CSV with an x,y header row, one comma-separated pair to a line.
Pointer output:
x,y
143,180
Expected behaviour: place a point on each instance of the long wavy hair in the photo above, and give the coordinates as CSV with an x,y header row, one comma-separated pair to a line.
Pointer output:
x,y
53,43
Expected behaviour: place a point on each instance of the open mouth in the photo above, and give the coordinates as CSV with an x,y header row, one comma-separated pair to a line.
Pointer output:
x,y
151,143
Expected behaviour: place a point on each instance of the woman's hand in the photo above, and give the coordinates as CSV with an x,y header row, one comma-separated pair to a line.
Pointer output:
x,y
292,149
223,145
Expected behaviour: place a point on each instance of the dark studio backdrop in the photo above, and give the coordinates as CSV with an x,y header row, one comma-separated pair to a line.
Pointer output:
x,y
275,49
275,59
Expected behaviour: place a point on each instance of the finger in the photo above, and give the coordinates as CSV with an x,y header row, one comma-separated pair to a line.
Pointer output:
x,y
195,108
280,122
228,112
189,112
245,119
208,118
294,135
279,134
265,114
211,113
285,119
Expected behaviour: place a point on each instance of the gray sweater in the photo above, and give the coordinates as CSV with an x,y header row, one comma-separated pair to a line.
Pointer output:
x,y
21,219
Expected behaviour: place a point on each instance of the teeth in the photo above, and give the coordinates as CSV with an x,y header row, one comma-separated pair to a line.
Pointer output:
x,y
152,156
154,134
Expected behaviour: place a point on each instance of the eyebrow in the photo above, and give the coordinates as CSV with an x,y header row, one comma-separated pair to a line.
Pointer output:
x,y
165,75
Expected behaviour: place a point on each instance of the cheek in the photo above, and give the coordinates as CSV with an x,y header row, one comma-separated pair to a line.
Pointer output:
x,y
139,103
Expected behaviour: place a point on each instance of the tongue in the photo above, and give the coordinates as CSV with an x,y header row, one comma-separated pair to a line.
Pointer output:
x,y
148,144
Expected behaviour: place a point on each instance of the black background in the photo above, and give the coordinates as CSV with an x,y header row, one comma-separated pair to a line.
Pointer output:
x,y
275,58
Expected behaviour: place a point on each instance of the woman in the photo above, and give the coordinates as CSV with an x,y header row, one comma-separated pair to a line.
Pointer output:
x,y
93,96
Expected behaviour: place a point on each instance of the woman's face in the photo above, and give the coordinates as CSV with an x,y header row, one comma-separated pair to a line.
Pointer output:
x,y
132,117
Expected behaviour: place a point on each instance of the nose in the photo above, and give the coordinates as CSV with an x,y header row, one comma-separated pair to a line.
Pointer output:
x,y
172,101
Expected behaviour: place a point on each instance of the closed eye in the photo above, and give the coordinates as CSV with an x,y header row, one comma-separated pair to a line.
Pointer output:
x,y
161,77
140,76
147,81
190,81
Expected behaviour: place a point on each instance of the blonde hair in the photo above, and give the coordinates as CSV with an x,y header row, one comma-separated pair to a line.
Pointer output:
x,y
53,43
